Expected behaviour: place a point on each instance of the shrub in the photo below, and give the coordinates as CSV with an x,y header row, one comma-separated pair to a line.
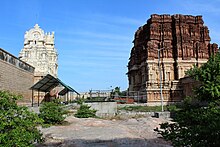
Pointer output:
x,y
194,126
209,77
85,112
80,101
17,124
52,112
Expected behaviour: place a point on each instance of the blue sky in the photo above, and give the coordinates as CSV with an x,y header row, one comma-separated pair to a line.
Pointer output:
x,y
94,37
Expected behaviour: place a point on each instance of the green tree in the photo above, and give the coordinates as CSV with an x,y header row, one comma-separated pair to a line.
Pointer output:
x,y
52,112
17,124
198,122
116,92
209,76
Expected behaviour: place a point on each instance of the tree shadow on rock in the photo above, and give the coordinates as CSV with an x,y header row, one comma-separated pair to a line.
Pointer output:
x,y
122,142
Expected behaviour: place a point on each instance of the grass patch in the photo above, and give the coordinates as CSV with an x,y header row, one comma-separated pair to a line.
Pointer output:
x,y
142,108
171,108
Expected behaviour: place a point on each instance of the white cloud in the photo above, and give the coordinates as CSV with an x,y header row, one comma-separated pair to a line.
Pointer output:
x,y
83,33
202,6
94,42
119,20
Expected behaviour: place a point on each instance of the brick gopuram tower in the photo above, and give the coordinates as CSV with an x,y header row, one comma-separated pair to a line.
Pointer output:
x,y
184,41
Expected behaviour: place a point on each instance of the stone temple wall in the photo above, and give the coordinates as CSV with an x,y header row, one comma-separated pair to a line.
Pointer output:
x,y
16,76
183,41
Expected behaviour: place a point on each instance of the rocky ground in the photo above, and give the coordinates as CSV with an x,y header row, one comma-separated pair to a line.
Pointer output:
x,y
93,132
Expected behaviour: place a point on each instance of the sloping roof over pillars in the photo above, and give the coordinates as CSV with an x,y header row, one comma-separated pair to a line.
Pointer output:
x,y
47,83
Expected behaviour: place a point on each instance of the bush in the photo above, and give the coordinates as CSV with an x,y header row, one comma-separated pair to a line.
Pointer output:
x,y
85,112
17,124
52,112
80,101
194,126
209,77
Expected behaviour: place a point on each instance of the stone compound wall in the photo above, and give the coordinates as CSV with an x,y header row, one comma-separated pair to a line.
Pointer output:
x,y
184,41
16,76
104,109
189,85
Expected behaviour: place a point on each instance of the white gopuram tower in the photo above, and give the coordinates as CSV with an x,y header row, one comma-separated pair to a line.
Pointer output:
x,y
39,51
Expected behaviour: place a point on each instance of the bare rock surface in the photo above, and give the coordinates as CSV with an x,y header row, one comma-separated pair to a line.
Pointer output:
x,y
93,132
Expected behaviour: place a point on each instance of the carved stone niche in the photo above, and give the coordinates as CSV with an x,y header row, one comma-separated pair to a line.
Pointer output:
x,y
167,18
154,18
167,31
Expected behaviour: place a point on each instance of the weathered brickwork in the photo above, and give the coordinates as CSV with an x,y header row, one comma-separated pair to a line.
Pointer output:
x,y
183,41
16,76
